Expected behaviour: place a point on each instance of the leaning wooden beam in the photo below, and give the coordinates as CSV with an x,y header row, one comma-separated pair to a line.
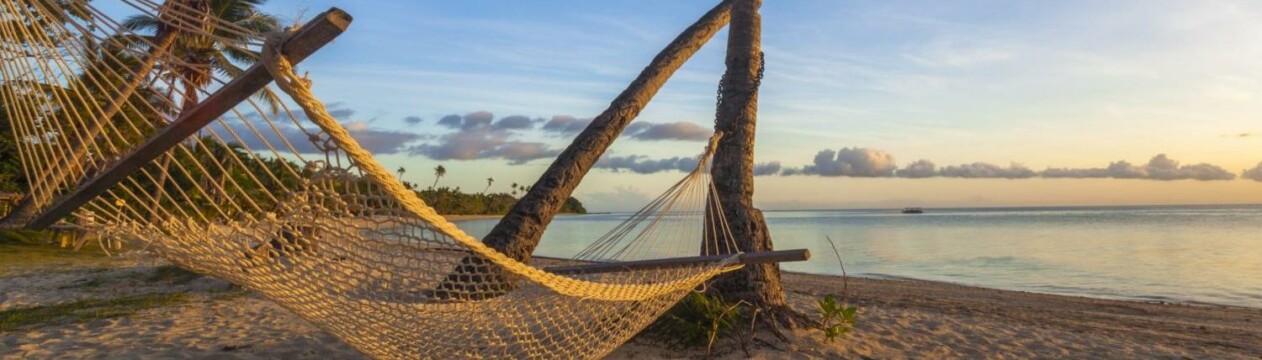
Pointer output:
x,y
518,233
311,37
746,258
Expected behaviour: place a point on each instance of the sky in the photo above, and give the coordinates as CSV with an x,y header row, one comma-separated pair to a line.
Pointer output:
x,y
863,104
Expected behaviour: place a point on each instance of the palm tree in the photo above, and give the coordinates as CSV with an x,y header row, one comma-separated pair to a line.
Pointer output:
x,y
439,172
401,171
489,181
202,56
757,285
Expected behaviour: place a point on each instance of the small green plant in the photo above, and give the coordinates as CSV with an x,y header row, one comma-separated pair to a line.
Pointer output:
x,y
698,320
80,311
836,319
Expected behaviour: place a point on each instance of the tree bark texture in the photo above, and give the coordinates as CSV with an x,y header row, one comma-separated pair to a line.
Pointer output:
x,y
732,169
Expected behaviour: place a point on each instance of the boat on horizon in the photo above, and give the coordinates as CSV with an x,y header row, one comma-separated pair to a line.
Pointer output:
x,y
913,210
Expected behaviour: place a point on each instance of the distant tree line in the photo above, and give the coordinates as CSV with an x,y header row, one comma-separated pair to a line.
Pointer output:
x,y
447,200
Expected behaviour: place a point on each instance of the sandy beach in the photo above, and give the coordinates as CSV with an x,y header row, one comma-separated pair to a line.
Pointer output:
x,y
202,317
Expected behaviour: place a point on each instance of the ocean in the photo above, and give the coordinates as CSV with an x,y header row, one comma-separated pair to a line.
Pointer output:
x,y
1193,254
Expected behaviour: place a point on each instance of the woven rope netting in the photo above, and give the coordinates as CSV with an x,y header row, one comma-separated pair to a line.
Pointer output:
x,y
312,222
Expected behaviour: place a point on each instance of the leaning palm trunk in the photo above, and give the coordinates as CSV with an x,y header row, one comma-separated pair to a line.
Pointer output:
x,y
518,232
60,174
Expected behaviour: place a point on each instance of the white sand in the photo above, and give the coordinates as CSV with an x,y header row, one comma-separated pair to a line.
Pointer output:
x,y
898,319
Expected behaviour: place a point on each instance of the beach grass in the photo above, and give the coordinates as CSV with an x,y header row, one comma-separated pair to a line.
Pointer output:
x,y
85,310
23,250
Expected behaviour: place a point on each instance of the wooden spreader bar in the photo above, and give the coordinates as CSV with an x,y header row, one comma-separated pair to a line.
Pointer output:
x,y
311,37
746,258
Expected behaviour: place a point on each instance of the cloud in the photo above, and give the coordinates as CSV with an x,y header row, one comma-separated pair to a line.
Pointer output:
x,y
680,130
518,152
1160,167
645,131
375,140
1254,174
477,136
857,162
341,114
860,162
477,119
452,121
1116,170
515,122
981,170
566,124
919,169
378,141
767,168
412,120
1204,172
642,165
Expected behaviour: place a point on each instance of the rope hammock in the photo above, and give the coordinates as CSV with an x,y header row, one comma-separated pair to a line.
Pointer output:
x,y
151,138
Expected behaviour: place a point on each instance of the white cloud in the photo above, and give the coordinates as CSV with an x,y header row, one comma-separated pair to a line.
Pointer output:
x,y
857,162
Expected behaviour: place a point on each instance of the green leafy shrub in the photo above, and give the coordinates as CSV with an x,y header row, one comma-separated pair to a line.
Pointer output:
x,y
836,319
696,321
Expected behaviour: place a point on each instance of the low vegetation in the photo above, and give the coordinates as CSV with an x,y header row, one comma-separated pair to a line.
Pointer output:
x,y
836,318
696,321
22,251
85,310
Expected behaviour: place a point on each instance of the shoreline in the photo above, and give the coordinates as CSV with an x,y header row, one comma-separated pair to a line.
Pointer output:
x,y
898,318
1144,299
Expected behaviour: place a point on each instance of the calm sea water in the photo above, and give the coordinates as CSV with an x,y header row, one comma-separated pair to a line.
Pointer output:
x,y
1207,254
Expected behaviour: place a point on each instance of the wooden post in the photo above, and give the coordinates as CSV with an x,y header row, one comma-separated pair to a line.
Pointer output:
x,y
311,37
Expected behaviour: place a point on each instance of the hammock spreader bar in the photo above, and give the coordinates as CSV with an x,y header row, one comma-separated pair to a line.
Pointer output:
x,y
667,263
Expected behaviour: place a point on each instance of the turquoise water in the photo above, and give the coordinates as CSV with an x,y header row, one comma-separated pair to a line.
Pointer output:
x,y
1206,254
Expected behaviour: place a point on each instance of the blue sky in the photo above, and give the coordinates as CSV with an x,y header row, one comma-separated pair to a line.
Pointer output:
x,y
1078,85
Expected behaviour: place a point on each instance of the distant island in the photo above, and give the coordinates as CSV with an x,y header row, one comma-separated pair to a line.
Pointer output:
x,y
447,200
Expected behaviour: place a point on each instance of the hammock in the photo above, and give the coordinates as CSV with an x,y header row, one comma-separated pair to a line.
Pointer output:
x,y
284,201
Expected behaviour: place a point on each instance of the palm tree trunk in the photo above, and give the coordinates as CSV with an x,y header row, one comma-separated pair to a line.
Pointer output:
x,y
57,176
733,170
518,232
